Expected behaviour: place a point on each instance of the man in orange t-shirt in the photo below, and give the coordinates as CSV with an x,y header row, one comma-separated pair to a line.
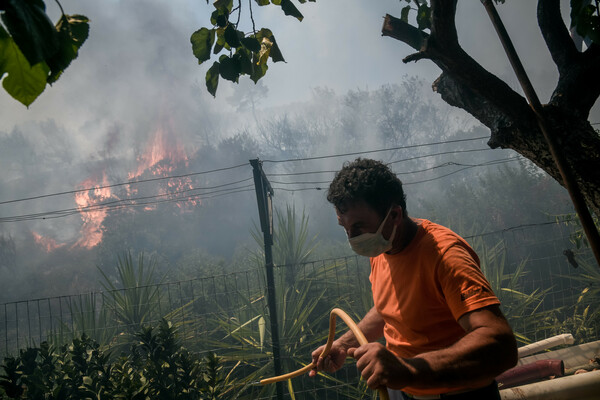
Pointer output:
x,y
445,334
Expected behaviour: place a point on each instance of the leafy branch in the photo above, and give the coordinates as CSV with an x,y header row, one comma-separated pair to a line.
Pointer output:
x,y
241,54
33,51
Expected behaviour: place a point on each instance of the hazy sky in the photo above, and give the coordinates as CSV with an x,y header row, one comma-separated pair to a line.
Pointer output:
x,y
138,58
137,70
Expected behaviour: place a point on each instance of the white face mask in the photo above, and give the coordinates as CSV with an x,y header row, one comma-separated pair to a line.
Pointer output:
x,y
372,244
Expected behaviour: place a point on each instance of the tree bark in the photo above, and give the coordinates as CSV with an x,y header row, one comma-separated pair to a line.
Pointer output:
x,y
464,83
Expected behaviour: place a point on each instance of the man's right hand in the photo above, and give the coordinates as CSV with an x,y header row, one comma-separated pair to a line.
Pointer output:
x,y
332,362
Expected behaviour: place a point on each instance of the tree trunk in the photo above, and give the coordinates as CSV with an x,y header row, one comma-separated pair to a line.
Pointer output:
x,y
466,84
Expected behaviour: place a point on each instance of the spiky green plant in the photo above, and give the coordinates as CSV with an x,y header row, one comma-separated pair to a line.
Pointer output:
x,y
292,244
520,308
242,335
134,297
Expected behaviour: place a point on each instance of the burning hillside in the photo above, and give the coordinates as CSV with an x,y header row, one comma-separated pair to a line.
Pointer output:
x,y
162,157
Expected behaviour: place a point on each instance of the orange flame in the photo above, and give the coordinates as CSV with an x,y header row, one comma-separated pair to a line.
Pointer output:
x,y
92,229
47,244
158,150
163,155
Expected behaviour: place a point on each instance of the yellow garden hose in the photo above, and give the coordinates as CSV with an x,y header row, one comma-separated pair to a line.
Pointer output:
x,y
359,337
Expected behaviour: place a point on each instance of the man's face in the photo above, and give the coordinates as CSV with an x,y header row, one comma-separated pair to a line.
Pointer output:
x,y
360,218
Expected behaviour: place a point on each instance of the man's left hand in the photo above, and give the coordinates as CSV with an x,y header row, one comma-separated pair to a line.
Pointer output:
x,y
377,366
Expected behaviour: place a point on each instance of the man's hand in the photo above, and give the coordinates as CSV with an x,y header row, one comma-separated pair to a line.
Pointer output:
x,y
377,366
332,362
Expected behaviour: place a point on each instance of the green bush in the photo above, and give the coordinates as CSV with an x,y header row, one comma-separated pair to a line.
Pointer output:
x,y
156,367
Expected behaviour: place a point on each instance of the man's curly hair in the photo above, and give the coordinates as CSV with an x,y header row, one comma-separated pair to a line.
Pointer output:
x,y
367,180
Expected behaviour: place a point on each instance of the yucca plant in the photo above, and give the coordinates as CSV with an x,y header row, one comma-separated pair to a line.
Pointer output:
x,y
133,298
520,308
582,318
292,244
242,335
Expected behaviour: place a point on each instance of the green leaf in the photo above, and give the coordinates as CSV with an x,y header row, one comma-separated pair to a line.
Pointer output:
x,y
246,66
290,9
269,47
227,4
404,14
202,41
31,29
251,44
220,41
585,19
424,16
230,68
220,17
259,70
24,83
73,30
276,55
262,2
232,36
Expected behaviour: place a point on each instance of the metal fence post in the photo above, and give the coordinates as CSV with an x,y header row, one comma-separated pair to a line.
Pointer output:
x,y
264,193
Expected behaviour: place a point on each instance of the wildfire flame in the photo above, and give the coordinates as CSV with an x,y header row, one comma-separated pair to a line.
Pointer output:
x,y
92,229
47,244
162,158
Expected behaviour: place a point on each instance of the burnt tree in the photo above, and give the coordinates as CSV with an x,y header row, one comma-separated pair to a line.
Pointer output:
x,y
464,83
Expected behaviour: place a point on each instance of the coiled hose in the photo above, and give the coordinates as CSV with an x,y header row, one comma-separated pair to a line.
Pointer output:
x,y
360,337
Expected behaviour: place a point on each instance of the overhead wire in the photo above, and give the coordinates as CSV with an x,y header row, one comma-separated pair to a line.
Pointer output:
x,y
389,163
466,166
98,187
414,146
121,184
135,202
141,201
129,202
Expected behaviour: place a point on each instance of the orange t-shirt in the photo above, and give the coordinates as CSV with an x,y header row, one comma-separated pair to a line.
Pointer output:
x,y
422,291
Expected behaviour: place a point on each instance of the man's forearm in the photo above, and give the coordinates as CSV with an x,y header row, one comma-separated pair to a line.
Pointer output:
x,y
371,326
474,360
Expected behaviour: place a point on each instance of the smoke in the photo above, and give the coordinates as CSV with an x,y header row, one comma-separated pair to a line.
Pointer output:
x,y
134,106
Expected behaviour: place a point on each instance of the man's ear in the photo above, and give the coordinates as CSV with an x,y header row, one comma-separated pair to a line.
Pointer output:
x,y
397,214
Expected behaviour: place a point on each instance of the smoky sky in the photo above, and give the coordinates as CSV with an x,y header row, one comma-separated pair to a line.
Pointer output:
x,y
136,74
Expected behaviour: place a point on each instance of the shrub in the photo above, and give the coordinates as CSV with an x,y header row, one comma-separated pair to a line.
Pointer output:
x,y
156,367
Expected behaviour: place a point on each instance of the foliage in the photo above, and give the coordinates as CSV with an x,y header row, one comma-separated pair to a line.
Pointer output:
x,y
585,18
520,308
155,368
581,320
135,301
89,316
33,51
578,237
581,316
292,245
242,335
252,51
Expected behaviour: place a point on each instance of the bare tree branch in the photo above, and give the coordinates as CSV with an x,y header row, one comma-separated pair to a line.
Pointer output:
x,y
443,49
400,30
556,35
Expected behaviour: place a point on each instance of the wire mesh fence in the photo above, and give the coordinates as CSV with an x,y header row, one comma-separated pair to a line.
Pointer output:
x,y
228,314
